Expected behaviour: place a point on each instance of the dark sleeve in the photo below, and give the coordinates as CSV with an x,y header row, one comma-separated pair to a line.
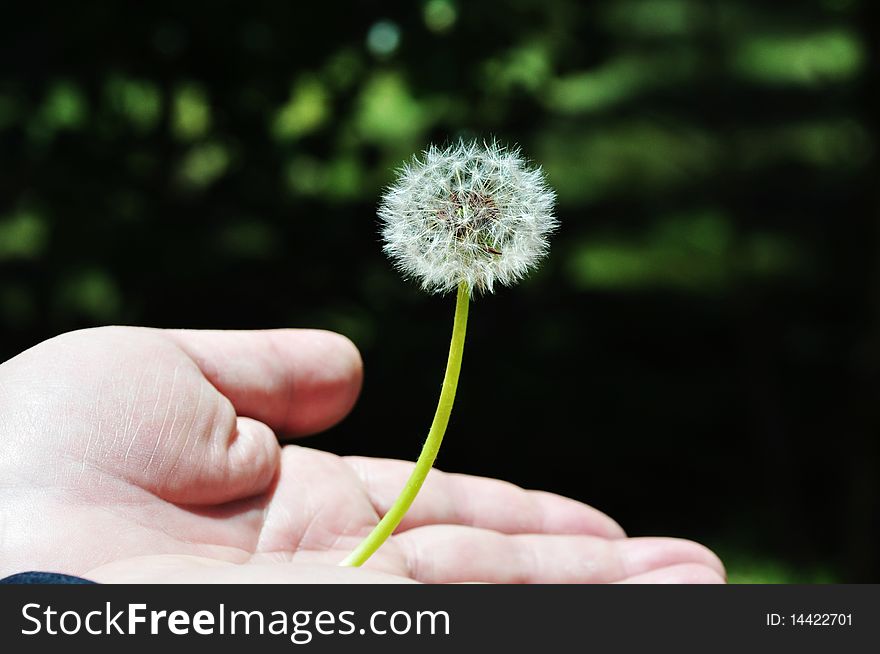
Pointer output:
x,y
43,578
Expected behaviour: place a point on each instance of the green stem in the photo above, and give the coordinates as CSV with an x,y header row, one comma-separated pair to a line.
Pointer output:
x,y
426,459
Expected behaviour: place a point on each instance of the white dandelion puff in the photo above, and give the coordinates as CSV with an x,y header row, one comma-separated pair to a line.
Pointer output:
x,y
472,213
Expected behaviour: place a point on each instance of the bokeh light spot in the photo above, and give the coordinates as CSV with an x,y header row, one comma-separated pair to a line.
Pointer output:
x,y
64,107
440,15
383,38
388,112
191,118
23,235
204,164
306,110
138,101
91,294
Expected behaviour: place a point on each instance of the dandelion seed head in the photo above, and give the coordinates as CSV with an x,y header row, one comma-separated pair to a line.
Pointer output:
x,y
472,212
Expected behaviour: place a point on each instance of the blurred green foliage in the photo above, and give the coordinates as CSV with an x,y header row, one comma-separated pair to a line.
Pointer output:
x,y
807,59
751,569
690,252
699,353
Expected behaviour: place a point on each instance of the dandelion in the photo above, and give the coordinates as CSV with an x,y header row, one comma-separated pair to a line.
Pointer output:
x,y
467,217
472,213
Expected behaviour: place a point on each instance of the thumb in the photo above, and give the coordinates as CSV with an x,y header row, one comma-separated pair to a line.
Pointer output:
x,y
298,381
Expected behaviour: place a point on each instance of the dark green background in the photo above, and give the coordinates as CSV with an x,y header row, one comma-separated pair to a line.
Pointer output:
x,y
697,357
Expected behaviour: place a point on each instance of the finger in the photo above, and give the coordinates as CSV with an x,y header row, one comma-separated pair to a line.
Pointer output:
x,y
298,381
251,463
479,502
644,554
685,573
452,554
239,460
317,505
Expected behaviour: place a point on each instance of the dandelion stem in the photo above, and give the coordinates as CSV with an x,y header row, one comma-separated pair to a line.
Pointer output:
x,y
426,459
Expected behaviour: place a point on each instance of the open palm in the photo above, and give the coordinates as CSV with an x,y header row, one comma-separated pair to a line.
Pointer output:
x,y
133,454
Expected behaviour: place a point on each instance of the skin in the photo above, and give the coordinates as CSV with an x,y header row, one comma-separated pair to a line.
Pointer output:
x,y
140,455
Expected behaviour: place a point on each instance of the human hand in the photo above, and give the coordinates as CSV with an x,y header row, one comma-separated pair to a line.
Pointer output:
x,y
133,454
